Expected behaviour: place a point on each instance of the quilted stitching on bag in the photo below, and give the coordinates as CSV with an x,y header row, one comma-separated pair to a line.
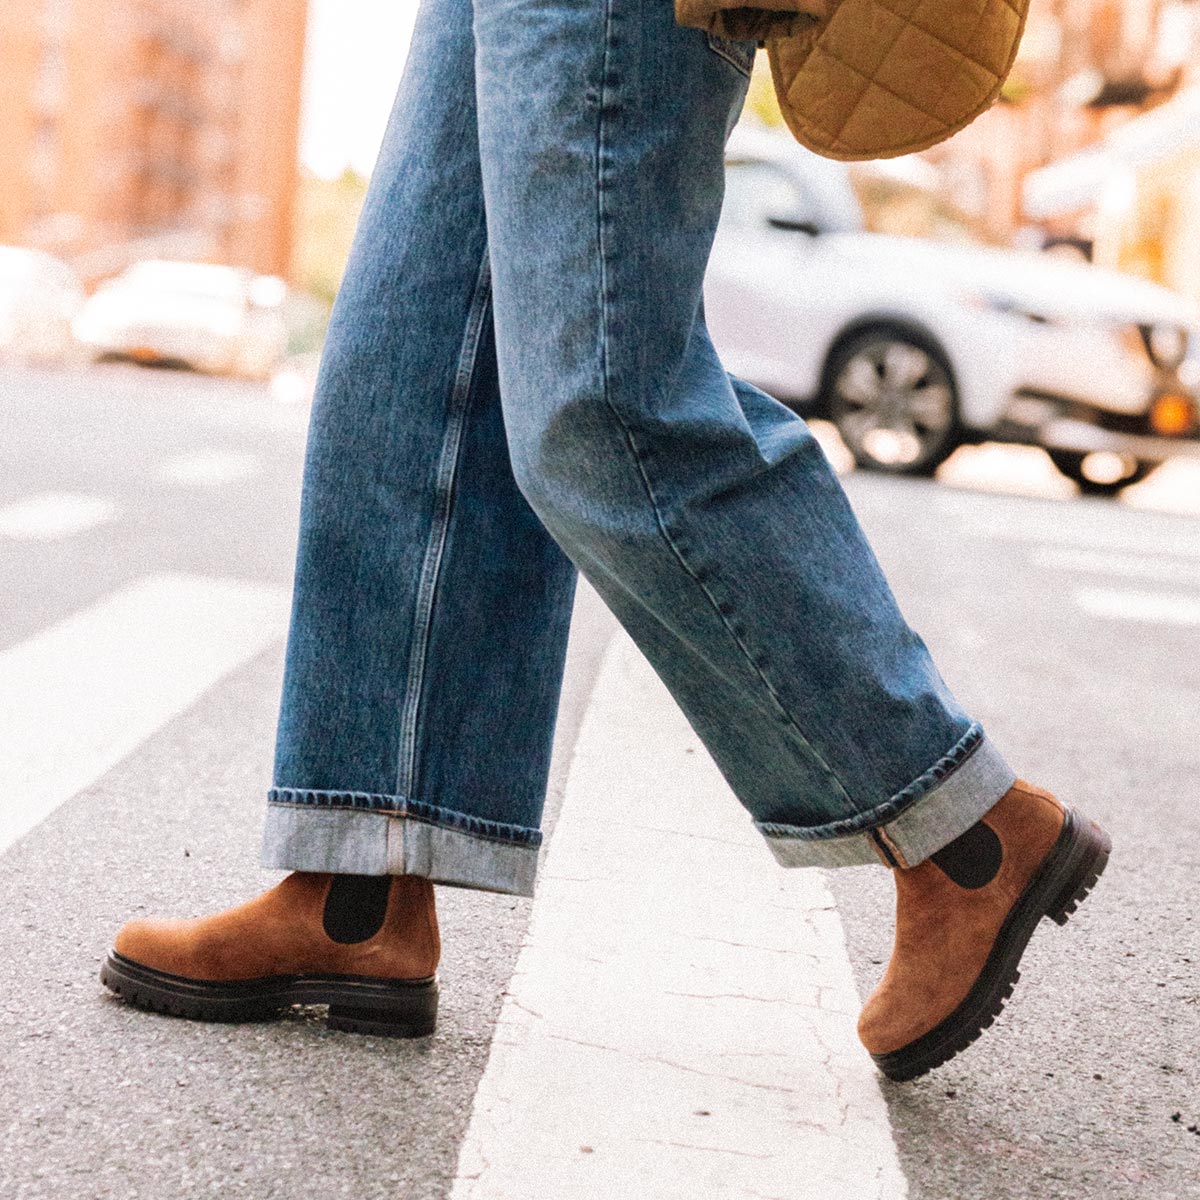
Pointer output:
x,y
887,77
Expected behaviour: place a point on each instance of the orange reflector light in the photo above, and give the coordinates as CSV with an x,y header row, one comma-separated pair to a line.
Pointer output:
x,y
1172,414
144,354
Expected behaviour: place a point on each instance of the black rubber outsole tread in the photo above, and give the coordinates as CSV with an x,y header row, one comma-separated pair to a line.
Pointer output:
x,y
357,1004
1000,974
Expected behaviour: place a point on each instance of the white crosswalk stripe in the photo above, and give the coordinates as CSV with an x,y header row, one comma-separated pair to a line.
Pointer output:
x,y
680,1023
1115,536
208,468
50,515
1122,566
78,697
1160,608
1100,541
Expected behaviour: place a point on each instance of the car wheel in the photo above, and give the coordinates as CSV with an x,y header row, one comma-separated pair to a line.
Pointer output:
x,y
891,394
1102,474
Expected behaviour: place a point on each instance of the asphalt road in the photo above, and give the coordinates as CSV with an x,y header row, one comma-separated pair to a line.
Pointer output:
x,y
204,476
1070,628
1089,1082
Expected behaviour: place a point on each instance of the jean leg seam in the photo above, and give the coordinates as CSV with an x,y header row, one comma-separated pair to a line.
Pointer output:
x,y
447,470
627,432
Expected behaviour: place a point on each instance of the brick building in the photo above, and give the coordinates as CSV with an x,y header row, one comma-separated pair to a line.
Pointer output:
x,y
151,127
1086,68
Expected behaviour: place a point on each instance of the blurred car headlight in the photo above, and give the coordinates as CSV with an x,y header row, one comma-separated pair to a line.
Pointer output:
x,y
87,328
1167,345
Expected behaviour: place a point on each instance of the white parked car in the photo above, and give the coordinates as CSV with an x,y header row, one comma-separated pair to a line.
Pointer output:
x,y
220,319
39,294
913,347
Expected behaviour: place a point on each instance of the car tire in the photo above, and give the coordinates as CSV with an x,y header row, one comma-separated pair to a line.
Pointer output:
x,y
1070,464
891,393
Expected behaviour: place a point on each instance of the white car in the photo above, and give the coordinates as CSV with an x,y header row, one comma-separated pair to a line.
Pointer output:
x,y
39,295
214,318
913,347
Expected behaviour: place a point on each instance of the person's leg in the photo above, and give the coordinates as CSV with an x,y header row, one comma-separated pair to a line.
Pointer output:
x,y
710,522
702,510
430,609
429,621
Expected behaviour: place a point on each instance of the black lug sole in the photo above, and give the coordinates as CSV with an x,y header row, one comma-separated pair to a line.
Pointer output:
x,y
357,1004
1064,880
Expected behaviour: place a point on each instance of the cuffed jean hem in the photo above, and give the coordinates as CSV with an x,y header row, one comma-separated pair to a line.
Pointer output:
x,y
905,830
363,840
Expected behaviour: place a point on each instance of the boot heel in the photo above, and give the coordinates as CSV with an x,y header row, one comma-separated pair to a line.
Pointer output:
x,y
408,1011
1086,857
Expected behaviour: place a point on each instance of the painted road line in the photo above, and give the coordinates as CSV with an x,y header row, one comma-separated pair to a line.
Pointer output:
x,y
208,468
1119,538
81,695
1123,566
1176,544
49,515
1077,525
1159,608
680,1023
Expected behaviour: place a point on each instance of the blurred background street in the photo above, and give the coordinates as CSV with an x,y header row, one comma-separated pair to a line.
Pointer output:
x,y
997,343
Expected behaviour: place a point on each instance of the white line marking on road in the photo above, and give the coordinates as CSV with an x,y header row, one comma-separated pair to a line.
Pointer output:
x,y
1119,537
81,695
1082,526
680,1022
1097,562
208,468
1160,608
51,515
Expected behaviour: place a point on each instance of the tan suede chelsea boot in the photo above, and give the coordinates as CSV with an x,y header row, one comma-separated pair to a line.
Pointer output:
x,y
963,919
367,946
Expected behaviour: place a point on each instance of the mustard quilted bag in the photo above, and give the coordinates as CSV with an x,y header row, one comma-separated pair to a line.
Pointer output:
x,y
878,78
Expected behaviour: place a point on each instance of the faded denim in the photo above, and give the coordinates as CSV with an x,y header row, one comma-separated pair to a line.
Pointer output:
x,y
517,383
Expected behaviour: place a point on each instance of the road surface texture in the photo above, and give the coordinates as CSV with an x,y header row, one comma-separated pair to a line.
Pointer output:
x,y
673,1014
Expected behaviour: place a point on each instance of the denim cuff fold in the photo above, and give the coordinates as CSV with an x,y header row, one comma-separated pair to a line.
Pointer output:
x,y
364,839
929,813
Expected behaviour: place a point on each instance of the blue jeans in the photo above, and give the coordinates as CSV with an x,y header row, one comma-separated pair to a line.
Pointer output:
x,y
517,383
